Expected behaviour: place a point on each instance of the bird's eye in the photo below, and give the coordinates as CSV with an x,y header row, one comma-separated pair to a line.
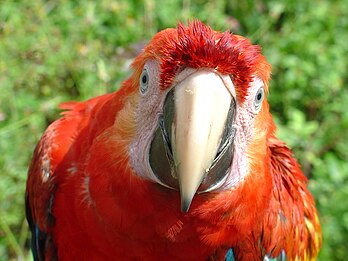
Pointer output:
x,y
259,98
144,81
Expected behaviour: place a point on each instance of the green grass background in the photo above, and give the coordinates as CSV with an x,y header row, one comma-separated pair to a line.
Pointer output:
x,y
53,51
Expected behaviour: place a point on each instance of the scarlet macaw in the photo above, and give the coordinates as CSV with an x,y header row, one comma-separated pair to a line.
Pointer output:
x,y
181,163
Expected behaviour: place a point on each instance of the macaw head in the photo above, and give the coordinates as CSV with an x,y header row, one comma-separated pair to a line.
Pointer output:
x,y
201,114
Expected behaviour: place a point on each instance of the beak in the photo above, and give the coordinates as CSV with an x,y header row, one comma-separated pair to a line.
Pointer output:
x,y
192,148
201,109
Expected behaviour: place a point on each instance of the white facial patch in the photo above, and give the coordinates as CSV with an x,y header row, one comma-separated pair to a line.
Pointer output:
x,y
244,125
149,108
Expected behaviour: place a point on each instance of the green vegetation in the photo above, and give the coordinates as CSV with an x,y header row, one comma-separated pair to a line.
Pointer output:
x,y
53,51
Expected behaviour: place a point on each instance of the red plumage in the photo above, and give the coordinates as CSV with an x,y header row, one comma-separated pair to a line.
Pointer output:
x,y
85,197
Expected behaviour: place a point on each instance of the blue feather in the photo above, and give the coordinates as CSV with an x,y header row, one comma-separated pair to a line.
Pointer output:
x,y
229,255
281,257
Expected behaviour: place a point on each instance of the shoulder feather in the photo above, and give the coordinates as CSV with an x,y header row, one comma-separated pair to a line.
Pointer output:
x,y
292,222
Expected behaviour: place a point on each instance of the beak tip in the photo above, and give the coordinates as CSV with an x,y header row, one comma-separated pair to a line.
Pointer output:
x,y
185,204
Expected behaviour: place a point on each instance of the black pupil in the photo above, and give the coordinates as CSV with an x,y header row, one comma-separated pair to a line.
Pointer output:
x,y
144,79
259,96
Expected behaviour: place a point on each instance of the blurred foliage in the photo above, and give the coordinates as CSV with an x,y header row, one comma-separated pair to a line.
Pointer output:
x,y
52,51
